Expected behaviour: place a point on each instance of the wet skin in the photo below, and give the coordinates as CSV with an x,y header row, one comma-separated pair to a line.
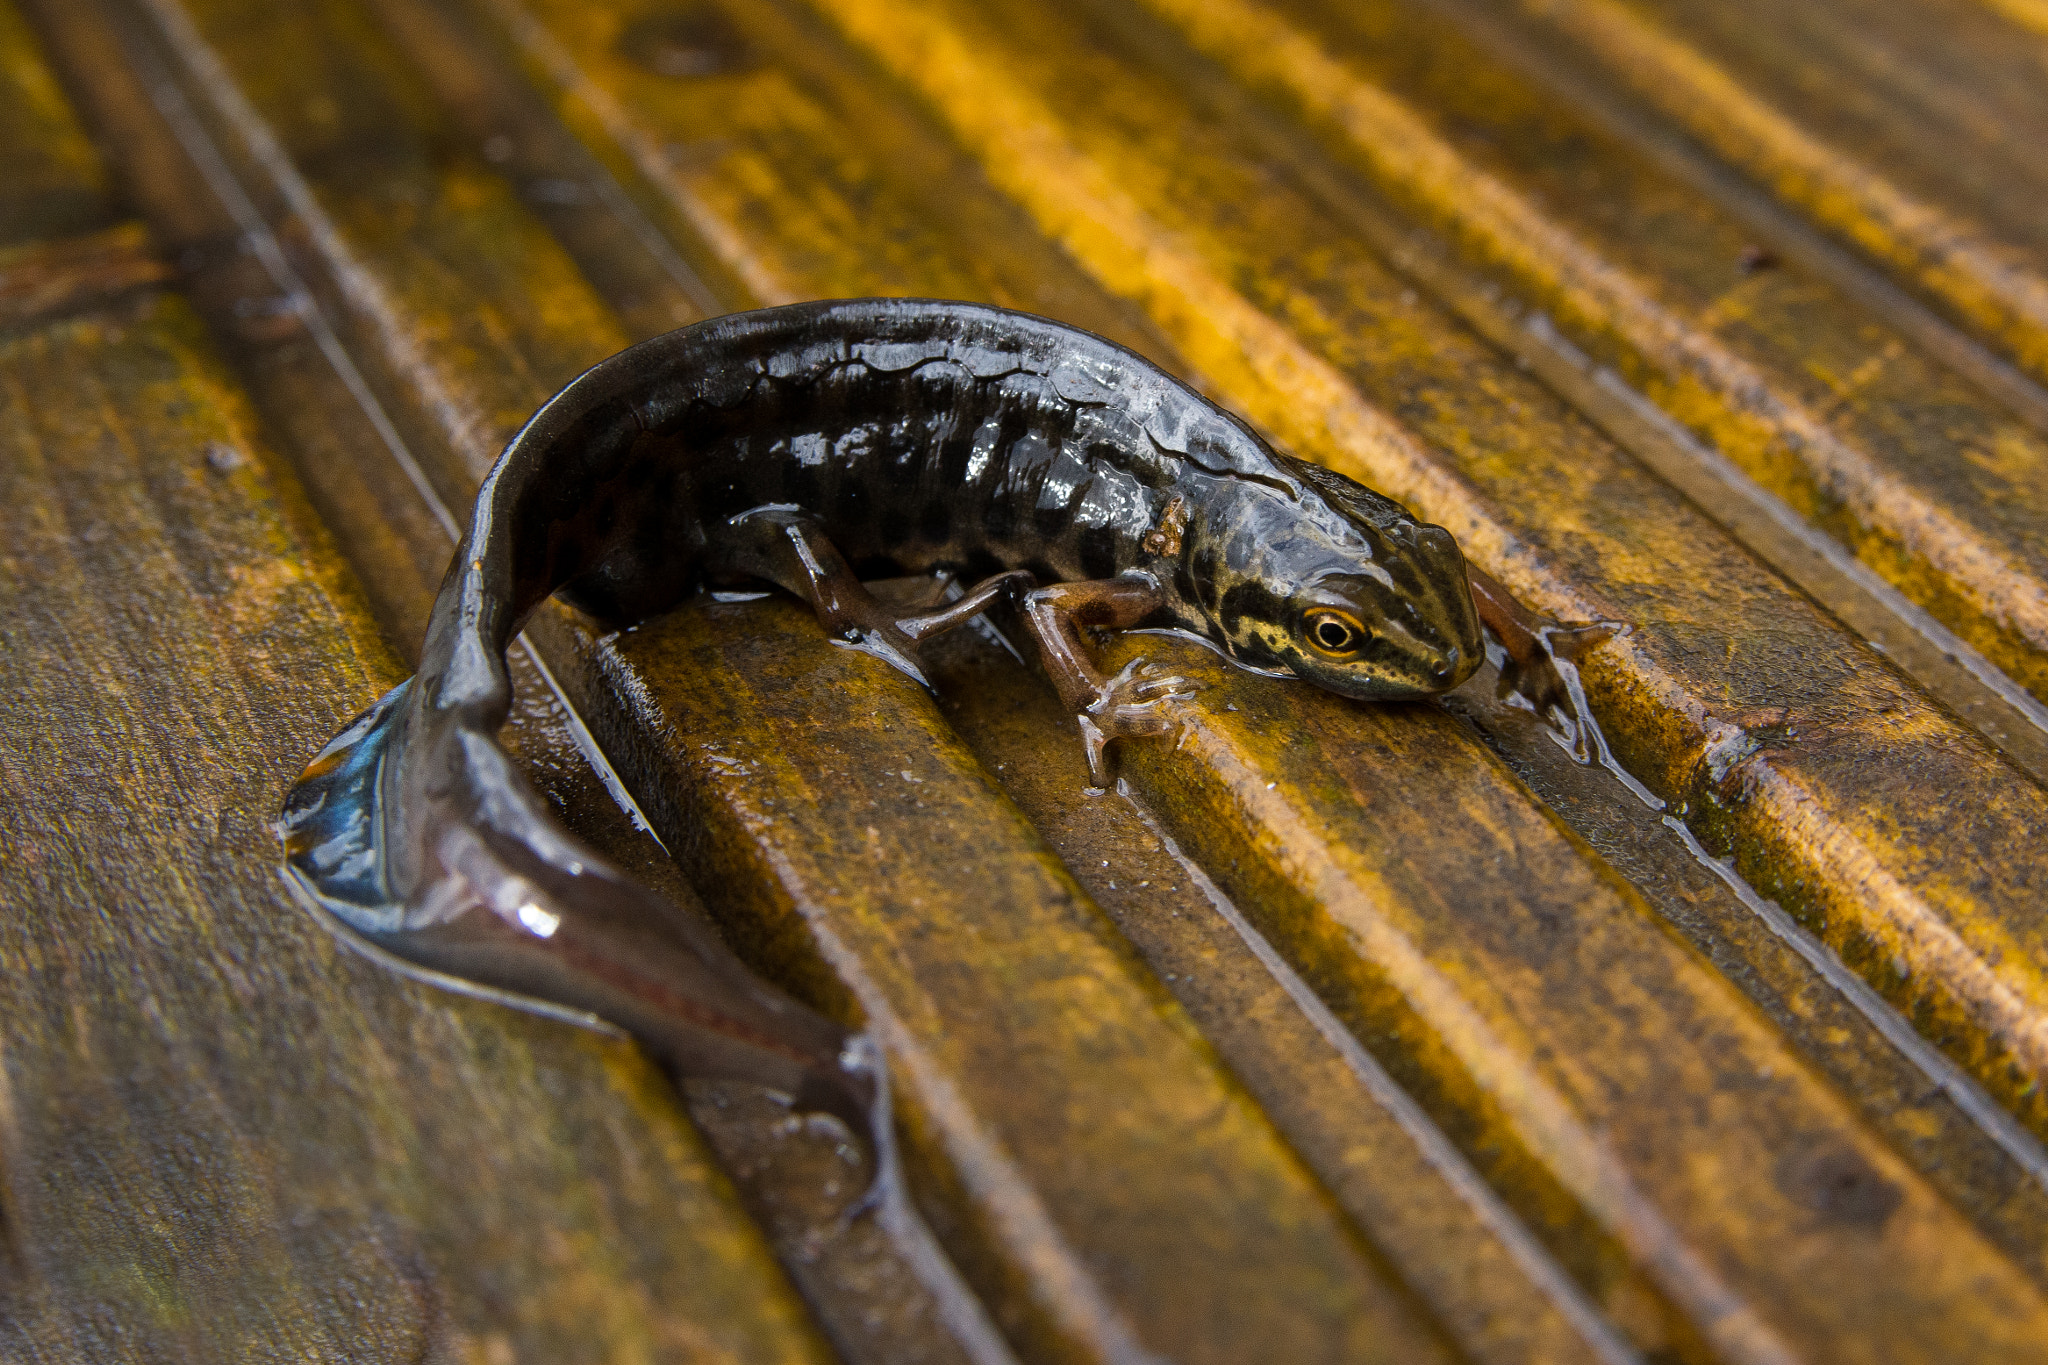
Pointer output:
x,y
813,446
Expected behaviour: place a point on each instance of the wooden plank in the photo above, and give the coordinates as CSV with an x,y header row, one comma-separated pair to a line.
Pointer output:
x,y
1552,212
601,52
46,280
1851,118
1523,993
787,163
1699,699
592,43
653,284
1122,1262
1490,1301
795,1178
55,185
1815,396
1498,1291
1960,1140
435,1177
171,610
1099,1180
1521,989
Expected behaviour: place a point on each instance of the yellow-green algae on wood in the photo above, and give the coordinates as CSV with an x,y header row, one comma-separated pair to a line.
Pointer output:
x,y
793,112
1419,1205
1556,1024
1839,787
1110,1189
642,127
1823,400
460,233
871,1301
54,184
475,316
459,305
225,1136
804,175
1861,131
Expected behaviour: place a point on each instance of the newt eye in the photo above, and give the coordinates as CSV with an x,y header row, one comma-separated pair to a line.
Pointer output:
x,y
1333,632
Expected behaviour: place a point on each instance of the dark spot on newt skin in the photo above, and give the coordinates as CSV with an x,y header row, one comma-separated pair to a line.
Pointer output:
x,y
1097,548
752,445
935,525
893,526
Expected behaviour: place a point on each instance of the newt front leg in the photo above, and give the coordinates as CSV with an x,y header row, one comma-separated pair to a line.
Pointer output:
x,y
1542,660
1131,703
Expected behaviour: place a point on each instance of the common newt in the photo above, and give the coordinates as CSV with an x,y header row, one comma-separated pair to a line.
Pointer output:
x,y
810,447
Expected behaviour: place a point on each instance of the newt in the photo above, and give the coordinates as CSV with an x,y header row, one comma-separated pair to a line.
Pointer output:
x,y
810,447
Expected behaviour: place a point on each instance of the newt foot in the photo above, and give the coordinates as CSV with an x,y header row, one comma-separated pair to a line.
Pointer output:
x,y
1129,705
886,641
1546,681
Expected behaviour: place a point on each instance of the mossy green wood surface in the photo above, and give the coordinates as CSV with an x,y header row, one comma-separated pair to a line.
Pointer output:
x,y
1546,1012
55,185
1857,425
1911,132
1271,245
1799,752
1107,1181
225,1136
467,311
1139,1120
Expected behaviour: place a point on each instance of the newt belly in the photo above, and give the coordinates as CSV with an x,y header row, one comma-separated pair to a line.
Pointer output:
x,y
811,446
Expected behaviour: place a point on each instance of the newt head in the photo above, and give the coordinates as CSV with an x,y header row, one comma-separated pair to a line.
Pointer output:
x,y
1344,589
1358,636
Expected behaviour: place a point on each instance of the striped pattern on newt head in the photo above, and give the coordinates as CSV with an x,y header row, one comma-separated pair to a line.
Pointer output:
x,y
807,447
1332,583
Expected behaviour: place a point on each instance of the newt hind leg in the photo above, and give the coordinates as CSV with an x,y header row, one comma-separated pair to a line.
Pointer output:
x,y
791,550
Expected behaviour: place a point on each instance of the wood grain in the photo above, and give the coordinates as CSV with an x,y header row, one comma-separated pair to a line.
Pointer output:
x,y
225,1137
1406,1061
